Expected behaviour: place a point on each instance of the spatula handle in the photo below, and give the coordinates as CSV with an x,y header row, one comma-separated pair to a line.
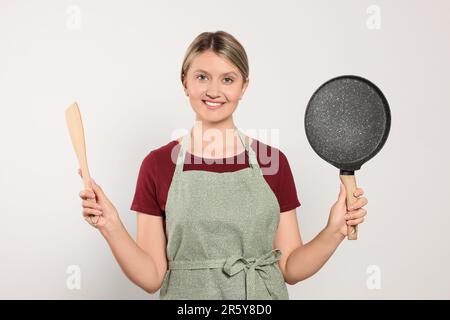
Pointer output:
x,y
349,182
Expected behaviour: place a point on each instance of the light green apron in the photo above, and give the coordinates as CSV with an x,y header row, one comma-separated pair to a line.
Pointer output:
x,y
221,229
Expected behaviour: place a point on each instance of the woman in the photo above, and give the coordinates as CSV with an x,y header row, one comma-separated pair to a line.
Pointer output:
x,y
213,222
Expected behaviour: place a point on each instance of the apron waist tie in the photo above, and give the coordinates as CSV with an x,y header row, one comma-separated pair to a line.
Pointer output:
x,y
234,264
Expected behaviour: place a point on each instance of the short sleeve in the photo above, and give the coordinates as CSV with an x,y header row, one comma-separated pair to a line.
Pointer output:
x,y
286,189
145,197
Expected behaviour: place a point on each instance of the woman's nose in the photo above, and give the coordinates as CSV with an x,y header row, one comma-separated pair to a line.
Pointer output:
x,y
213,90
212,96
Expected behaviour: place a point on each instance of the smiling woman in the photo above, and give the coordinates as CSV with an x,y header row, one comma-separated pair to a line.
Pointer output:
x,y
223,229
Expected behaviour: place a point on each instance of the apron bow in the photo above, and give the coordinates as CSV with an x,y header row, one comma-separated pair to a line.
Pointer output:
x,y
252,267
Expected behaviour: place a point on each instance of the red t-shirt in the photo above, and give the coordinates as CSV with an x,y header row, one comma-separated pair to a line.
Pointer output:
x,y
158,167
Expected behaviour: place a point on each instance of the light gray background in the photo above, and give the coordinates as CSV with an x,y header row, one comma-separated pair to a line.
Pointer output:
x,y
122,66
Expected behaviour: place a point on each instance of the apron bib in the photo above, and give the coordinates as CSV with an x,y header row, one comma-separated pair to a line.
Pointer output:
x,y
220,232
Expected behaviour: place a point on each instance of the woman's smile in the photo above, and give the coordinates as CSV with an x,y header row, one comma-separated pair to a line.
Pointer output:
x,y
212,105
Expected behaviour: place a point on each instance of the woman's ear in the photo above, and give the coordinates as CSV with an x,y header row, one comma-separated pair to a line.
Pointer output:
x,y
184,86
244,87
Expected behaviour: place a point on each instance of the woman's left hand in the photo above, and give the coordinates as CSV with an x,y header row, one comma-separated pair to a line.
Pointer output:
x,y
341,216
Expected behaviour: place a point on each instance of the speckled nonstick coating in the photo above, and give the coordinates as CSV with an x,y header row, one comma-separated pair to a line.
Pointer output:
x,y
347,122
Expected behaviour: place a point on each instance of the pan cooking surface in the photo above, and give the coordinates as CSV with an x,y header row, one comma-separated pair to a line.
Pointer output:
x,y
347,121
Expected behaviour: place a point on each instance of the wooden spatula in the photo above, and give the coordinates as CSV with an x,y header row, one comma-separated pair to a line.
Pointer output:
x,y
75,126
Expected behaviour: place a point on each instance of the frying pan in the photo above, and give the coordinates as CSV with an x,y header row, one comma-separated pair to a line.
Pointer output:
x,y
347,122
76,131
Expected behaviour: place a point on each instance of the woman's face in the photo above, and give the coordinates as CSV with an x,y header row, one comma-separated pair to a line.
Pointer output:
x,y
213,78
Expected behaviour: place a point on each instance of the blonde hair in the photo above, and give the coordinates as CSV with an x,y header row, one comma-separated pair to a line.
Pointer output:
x,y
223,44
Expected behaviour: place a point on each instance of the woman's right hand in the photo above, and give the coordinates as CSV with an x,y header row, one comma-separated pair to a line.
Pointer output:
x,y
98,210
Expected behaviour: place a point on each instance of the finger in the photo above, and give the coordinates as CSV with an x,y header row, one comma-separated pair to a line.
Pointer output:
x,y
358,204
356,214
355,221
95,221
358,192
91,204
87,212
87,194
99,193
83,196
92,221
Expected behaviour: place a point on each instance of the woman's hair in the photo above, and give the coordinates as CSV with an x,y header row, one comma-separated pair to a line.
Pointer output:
x,y
223,44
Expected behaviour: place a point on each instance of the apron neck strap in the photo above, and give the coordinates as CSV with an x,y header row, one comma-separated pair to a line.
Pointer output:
x,y
186,142
250,152
182,153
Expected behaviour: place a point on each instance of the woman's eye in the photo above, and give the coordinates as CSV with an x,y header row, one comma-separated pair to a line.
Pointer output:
x,y
200,75
228,80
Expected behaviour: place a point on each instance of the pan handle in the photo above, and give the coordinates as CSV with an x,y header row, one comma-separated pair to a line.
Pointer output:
x,y
348,179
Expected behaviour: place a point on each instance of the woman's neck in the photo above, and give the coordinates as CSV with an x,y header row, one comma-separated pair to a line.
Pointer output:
x,y
215,140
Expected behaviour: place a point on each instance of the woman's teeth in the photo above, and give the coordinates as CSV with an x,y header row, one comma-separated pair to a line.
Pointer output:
x,y
213,104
